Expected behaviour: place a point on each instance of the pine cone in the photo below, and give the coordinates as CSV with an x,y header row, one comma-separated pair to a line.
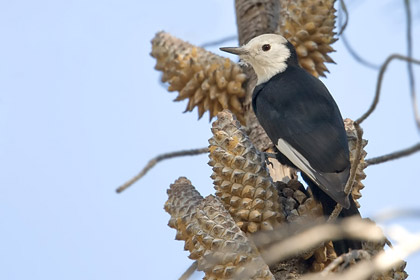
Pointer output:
x,y
221,249
298,203
182,206
360,174
308,25
241,178
209,82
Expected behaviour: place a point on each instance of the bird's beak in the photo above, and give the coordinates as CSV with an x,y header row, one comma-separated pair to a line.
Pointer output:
x,y
237,51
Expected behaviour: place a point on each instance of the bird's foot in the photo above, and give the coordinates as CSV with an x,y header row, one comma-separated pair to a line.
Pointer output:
x,y
266,157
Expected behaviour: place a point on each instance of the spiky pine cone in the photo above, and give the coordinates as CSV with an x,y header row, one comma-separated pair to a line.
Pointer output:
x,y
209,82
308,25
360,174
221,249
322,257
182,206
230,250
241,178
300,207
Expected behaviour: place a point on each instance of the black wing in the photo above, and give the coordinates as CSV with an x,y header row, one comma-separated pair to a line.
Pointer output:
x,y
297,107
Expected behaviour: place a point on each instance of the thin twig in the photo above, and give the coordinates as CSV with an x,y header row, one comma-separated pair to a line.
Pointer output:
x,y
345,259
351,228
187,274
219,41
159,158
349,48
379,83
397,154
410,65
356,56
407,244
346,13
336,212
355,164
394,155
386,216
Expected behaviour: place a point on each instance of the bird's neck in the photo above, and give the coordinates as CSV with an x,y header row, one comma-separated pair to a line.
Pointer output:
x,y
267,71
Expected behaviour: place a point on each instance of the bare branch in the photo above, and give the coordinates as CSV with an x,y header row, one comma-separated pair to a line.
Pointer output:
x,y
157,159
404,152
349,48
219,41
356,56
187,274
410,65
346,14
342,261
379,83
337,210
350,182
353,228
386,216
395,155
406,244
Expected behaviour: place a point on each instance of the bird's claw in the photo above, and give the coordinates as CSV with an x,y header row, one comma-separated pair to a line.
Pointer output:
x,y
266,157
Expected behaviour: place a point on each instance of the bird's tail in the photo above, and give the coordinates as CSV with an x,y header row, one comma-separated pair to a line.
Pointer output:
x,y
328,205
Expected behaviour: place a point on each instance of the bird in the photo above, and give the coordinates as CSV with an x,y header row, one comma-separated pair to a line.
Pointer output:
x,y
303,121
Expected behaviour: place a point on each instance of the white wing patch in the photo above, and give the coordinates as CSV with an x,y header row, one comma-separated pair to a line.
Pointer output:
x,y
296,158
330,185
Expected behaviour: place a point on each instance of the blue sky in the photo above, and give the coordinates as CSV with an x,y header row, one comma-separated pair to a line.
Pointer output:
x,y
81,111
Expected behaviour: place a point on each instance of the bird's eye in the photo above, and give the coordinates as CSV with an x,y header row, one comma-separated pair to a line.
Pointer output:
x,y
266,47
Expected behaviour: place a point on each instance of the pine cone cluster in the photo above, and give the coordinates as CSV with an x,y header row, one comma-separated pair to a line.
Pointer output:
x,y
209,82
244,186
309,25
216,228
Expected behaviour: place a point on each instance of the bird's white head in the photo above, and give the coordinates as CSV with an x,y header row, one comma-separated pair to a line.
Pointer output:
x,y
267,54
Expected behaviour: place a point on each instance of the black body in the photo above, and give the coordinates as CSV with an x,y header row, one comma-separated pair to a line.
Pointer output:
x,y
296,107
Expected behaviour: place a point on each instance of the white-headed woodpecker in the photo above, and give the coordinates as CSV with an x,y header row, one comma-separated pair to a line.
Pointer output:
x,y
302,120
